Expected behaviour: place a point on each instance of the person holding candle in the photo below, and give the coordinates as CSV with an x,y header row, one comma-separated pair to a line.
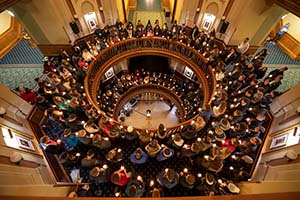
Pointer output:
x,y
120,177
153,148
89,161
135,188
115,155
165,154
101,142
100,174
168,178
69,139
138,156
51,146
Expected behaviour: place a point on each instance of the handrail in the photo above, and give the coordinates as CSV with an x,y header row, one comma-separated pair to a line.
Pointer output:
x,y
148,46
155,88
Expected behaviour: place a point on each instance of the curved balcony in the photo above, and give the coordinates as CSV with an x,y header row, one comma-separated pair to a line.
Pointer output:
x,y
149,46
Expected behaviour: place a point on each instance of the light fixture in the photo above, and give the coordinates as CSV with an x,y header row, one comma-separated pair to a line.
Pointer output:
x,y
10,13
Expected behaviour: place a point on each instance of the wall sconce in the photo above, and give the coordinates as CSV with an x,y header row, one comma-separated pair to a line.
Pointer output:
x,y
101,8
198,10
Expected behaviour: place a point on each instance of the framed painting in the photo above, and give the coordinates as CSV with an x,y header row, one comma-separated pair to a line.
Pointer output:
x,y
188,73
109,73
24,143
279,141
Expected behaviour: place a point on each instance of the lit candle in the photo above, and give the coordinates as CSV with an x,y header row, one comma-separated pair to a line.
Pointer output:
x,y
119,150
151,183
82,122
234,157
104,166
199,175
58,141
231,168
76,133
192,122
226,116
91,135
220,181
77,154
166,170
139,178
117,194
185,170
206,157
198,139
122,167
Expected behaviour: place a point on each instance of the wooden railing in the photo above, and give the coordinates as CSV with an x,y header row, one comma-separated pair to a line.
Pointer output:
x,y
10,37
54,49
290,45
149,46
154,88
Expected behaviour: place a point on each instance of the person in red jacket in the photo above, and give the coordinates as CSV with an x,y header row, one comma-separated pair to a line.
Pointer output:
x,y
120,177
26,94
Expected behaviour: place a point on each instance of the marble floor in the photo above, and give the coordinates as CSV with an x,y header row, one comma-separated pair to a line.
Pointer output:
x,y
160,112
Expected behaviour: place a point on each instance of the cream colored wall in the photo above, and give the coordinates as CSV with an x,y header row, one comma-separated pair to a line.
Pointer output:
x,y
120,10
245,20
178,10
44,20
294,28
282,105
4,21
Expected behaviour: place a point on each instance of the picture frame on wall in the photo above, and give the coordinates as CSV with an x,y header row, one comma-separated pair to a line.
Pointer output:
x,y
109,73
92,24
279,141
24,143
188,72
206,25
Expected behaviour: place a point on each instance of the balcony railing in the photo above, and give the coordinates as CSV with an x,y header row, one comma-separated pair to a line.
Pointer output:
x,y
128,48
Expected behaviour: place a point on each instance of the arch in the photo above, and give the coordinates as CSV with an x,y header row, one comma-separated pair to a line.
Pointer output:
x,y
87,7
212,8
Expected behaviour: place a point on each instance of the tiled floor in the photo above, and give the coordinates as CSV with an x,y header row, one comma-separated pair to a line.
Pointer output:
x,y
159,112
149,5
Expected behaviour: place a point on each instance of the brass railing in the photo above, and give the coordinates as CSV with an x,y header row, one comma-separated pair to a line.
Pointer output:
x,y
149,46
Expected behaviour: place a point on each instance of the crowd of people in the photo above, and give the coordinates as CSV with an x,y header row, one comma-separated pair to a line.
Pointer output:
x,y
207,157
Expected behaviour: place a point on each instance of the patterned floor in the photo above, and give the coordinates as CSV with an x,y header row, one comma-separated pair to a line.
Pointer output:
x,y
21,66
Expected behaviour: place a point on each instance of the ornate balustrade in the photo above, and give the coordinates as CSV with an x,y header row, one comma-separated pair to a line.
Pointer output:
x,y
151,88
149,46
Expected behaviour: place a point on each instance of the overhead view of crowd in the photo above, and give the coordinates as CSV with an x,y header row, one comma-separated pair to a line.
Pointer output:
x,y
208,156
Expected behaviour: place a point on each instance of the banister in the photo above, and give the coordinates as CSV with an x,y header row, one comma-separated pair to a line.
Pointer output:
x,y
149,46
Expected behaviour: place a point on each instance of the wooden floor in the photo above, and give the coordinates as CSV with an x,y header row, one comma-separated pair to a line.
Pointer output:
x,y
160,113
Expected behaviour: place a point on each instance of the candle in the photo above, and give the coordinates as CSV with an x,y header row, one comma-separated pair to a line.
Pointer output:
x,y
76,133
231,168
198,139
192,122
117,194
91,135
104,166
77,154
166,170
206,157
220,181
82,122
185,170
199,175
122,167
119,150
234,157
151,183
58,141
139,178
